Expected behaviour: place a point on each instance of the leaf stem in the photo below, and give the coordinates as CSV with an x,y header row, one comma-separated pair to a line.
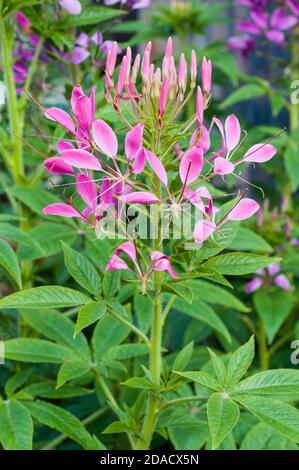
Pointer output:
x,y
131,326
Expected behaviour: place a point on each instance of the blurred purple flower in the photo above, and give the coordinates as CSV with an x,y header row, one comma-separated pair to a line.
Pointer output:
x,y
293,6
83,44
263,276
132,4
242,45
71,6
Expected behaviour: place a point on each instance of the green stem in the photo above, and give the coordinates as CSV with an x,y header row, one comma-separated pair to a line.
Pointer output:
x,y
263,350
155,351
13,110
179,401
61,438
131,326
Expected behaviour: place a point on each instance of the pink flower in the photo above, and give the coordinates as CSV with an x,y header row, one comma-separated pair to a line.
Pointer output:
x,y
270,275
71,6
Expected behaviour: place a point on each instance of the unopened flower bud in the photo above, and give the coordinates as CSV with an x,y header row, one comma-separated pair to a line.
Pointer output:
x,y
193,69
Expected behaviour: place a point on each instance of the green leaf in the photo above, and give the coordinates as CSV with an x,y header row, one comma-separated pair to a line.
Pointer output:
x,y
82,270
34,198
127,351
47,389
45,297
182,291
71,370
244,93
37,350
139,383
90,16
204,313
11,232
234,264
223,415
9,262
61,420
273,308
17,380
143,311
202,378
48,235
291,164
59,328
116,427
186,431
278,381
218,366
208,292
111,284
89,314
248,240
282,417
262,437
240,361
183,357
16,428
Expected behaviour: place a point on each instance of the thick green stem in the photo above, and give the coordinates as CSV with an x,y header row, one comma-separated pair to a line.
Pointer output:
x,y
155,351
263,350
12,102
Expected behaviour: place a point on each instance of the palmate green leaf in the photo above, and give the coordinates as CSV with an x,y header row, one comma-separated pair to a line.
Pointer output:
x,y
127,351
262,437
90,16
207,292
59,328
45,297
117,427
205,273
248,240
183,357
218,366
282,417
16,428
63,421
187,432
234,264
111,284
240,361
202,378
37,350
273,309
72,370
204,313
143,311
9,262
223,415
89,314
17,380
82,270
271,382
48,235
139,383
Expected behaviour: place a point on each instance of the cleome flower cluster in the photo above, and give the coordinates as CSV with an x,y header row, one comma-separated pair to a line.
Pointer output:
x,y
178,156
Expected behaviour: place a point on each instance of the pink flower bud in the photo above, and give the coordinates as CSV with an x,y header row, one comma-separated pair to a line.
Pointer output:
x,y
121,77
199,106
182,73
129,60
111,59
145,66
193,68
206,75
163,97
135,69
165,67
169,48
148,48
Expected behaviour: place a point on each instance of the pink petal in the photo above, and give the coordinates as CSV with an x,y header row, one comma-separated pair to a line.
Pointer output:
x,y
64,145
232,132
223,166
163,96
253,285
133,141
105,138
56,166
275,36
260,153
128,248
157,255
199,106
140,197
61,117
273,269
82,109
116,264
165,266
243,210
80,158
201,137
191,165
283,282
61,209
87,189
139,162
259,18
203,230
206,73
279,20
157,167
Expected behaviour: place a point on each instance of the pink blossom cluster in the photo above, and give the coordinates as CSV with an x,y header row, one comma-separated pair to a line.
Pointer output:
x,y
267,277
103,179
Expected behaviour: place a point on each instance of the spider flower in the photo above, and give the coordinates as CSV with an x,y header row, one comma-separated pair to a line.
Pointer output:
x,y
267,277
